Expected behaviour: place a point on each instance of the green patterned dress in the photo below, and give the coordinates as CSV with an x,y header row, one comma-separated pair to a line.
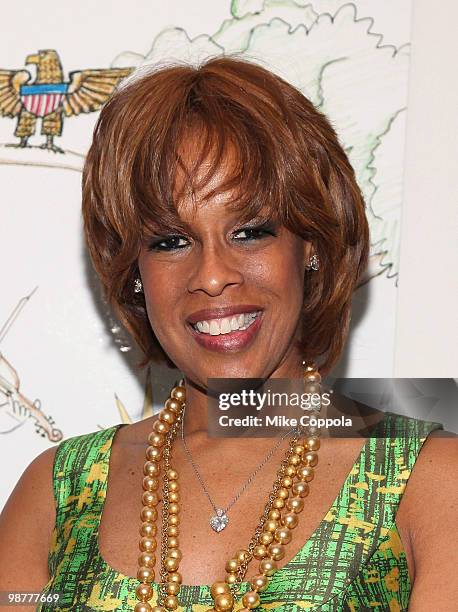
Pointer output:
x,y
354,560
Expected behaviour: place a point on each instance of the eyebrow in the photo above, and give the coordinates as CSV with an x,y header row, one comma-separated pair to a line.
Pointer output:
x,y
180,225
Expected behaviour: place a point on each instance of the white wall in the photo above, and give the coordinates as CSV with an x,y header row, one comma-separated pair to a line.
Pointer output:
x,y
427,315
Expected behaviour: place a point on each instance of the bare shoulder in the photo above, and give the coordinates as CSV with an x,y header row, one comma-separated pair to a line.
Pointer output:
x,y
35,485
433,477
439,452
430,511
26,525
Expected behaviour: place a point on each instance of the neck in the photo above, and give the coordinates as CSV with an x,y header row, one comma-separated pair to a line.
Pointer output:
x,y
197,397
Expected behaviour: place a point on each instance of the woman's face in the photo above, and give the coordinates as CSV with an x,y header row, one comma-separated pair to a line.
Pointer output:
x,y
225,300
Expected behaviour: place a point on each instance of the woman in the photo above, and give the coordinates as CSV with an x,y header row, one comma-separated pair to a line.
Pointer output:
x,y
224,220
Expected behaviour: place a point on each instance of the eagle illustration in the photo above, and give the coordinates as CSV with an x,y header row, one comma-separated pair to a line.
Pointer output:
x,y
50,98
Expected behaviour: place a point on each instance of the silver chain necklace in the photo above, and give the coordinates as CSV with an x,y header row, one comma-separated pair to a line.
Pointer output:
x,y
220,519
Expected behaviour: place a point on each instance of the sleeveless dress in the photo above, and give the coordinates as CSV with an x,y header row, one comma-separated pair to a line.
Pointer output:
x,y
353,561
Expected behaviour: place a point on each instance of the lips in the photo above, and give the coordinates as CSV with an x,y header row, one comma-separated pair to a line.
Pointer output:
x,y
220,313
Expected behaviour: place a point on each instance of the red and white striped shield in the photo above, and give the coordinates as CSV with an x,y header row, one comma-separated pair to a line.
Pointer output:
x,y
43,99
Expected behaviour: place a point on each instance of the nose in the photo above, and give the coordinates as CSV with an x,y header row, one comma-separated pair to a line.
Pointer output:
x,y
214,270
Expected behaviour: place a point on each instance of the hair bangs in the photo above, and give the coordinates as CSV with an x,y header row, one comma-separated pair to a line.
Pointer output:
x,y
212,147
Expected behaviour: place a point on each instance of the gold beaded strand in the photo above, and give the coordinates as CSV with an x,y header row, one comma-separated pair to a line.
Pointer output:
x,y
272,534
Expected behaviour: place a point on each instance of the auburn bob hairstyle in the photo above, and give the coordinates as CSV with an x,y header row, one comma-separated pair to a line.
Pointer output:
x,y
289,164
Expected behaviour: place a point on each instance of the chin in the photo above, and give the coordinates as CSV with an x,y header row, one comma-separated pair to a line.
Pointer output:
x,y
234,370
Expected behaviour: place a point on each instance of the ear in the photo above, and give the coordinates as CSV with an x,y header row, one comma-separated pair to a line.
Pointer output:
x,y
308,252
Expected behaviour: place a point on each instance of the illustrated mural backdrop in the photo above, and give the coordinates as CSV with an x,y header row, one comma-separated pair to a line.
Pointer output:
x,y
66,366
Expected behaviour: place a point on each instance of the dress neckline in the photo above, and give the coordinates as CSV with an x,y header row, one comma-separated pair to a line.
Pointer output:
x,y
106,567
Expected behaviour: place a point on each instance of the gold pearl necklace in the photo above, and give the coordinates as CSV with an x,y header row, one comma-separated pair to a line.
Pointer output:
x,y
272,534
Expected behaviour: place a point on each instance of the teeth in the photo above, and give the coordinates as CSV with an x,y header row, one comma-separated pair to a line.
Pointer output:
x,y
248,321
216,327
225,326
234,323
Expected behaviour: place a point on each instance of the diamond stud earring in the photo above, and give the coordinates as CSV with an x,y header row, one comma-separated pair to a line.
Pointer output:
x,y
314,263
138,287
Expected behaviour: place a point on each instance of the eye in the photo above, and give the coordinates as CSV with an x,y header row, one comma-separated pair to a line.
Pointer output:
x,y
169,243
256,232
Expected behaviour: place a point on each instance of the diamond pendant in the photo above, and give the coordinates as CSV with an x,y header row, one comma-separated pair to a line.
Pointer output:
x,y
219,522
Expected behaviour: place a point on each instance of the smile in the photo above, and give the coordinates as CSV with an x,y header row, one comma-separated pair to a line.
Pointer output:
x,y
230,333
226,325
